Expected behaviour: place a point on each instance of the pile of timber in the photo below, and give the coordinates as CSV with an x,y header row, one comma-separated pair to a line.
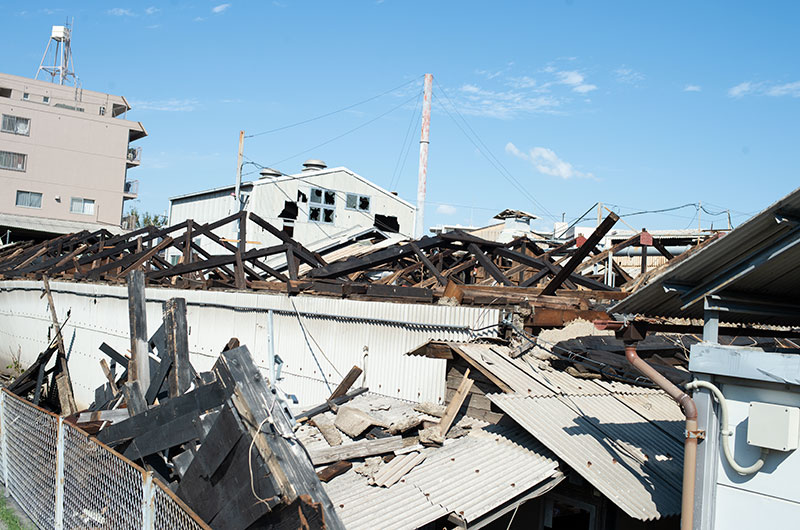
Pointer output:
x,y
222,440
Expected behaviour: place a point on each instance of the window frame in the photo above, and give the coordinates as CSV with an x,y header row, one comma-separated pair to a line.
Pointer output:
x,y
24,161
28,194
46,100
14,131
322,208
358,197
84,201
26,96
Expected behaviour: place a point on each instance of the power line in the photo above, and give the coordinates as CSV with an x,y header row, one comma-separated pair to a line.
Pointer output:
x,y
354,129
508,173
493,160
309,120
403,155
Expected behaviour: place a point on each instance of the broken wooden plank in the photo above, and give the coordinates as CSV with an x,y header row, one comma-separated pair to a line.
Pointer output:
x,y
134,398
176,329
334,470
359,449
325,407
346,383
455,404
139,369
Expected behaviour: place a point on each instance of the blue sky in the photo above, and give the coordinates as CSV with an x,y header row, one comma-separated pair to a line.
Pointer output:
x,y
547,107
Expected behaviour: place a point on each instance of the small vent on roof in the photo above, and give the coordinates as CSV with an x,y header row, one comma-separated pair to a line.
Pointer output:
x,y
269,173
313,164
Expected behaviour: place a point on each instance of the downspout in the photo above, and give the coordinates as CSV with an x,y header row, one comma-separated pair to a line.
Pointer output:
x,y
692,434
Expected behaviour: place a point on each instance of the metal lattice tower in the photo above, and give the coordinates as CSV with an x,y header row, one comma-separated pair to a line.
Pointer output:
x,y
59,64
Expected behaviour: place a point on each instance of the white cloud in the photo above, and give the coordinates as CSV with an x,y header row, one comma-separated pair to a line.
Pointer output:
x,y
220,8
692,88
503,104
152,10
575,80
787,89
199,19
628,76
546,161
167,105
741,89
121,12
446,209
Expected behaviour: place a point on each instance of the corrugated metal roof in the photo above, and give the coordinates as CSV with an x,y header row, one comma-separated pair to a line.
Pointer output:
x,y
394,470
777,278
632,461
468,476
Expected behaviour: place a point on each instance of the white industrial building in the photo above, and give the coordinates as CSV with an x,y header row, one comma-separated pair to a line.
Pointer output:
x,y
316,204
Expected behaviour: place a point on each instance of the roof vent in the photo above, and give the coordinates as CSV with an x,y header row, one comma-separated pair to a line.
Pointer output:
x,y
268,172
312,164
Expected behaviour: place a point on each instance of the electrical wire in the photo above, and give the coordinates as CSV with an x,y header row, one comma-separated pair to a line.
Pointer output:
x,y
321,116
354,129
576,221
508,175
403,155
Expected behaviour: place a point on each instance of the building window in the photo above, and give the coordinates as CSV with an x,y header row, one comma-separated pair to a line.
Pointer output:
x,y
5,92
16,125
45,99
29,199
26,96
15,161
357,202
102,110
84,206
316,195
320,214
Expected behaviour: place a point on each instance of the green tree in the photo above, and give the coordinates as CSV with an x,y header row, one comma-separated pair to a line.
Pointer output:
x,y
138,219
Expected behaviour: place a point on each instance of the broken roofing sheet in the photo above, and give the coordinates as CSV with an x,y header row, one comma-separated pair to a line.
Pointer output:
x,y
470,477
625,440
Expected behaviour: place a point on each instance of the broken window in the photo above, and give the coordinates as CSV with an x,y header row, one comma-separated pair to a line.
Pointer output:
x,y
288,229
330,197
387,223
321,215
316,195
289,210
357,202
301,197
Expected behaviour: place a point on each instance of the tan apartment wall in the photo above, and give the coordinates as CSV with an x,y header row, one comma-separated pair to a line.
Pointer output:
x,y
69,154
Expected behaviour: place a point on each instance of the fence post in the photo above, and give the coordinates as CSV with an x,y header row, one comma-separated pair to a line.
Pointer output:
x,y
58,521
4,442
148,501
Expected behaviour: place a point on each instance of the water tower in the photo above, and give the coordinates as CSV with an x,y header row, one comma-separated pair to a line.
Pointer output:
x,y
58,63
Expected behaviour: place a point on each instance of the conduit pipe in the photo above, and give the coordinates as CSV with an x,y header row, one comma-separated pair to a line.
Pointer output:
x,y
691,436
726,432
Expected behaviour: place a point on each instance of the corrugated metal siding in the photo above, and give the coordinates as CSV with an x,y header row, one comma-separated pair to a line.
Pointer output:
x,y
468,476
342,333
631,461
779,277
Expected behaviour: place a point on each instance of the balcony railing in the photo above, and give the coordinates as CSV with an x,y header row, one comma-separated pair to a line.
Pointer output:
x,y
131,187
134,156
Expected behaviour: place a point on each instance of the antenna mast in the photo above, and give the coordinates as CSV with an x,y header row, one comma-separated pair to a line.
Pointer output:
x,y
61,67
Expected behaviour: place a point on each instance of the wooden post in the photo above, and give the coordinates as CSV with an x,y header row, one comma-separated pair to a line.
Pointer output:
x,y
63,382
455,404
139,367
175,326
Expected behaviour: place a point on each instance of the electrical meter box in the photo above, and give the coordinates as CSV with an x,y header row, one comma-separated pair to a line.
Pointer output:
x,y
771,426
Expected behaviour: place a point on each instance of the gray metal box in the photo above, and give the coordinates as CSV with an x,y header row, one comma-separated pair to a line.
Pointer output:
x,y
775,427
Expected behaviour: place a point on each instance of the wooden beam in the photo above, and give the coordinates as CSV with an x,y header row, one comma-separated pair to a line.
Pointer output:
x,y
488,265
361,449
455,404
346,383
139,368
176,330
430,266
580,254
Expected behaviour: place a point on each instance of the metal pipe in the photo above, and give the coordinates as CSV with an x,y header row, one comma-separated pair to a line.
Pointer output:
x,y
690,441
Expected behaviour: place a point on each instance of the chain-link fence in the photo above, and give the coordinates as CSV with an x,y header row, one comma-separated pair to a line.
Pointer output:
x,y
64,479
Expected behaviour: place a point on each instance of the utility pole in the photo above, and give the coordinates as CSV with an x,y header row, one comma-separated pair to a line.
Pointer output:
x,y
423,156
239,171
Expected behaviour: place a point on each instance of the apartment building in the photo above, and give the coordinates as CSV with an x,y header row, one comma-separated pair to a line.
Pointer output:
x,y
65,153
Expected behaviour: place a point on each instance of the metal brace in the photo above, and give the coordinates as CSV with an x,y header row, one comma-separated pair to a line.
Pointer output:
x,y
699,435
